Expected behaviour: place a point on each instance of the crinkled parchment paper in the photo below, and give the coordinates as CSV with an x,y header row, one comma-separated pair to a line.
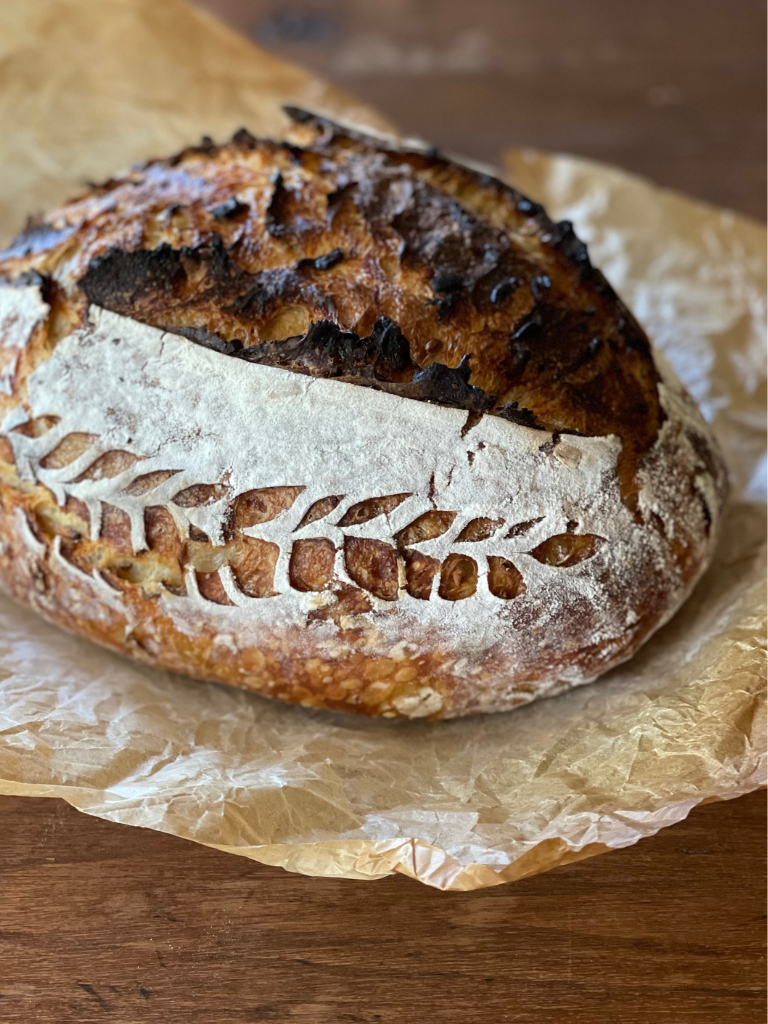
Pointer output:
x,y
457,805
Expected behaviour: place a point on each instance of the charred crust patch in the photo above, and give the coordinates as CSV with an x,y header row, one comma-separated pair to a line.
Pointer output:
x,y
517,359
383,357
528,327
328,351
523,417
324,262
120,279
539,286
450,386
565,239
202,336
230,209
287,214
502,291
244,139
278,210
271,289
340,254
439,233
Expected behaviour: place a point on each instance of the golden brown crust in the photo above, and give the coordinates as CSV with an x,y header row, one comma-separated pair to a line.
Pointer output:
x,y
336,255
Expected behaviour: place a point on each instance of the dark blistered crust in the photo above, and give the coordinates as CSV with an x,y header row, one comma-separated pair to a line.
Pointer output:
x,y
347,256
130,282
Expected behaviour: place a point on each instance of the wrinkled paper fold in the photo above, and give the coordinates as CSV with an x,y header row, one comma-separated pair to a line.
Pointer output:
x,y
457,805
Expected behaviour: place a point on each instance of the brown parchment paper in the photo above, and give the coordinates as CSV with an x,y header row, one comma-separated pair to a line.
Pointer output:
x,y
87,87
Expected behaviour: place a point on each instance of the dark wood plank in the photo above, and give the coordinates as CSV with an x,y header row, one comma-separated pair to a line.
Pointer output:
x,y
100,922
673,90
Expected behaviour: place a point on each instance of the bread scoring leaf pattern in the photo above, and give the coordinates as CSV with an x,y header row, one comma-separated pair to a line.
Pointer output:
x,y
427,526
371,508
387,566
320,509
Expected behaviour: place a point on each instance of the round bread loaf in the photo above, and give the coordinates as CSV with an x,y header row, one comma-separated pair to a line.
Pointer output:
x,y
345,423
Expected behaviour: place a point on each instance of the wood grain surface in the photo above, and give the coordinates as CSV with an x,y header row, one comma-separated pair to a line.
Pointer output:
x,y
105,923
673,89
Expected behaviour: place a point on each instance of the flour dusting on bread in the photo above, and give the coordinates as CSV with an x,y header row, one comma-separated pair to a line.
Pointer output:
x,y
343,423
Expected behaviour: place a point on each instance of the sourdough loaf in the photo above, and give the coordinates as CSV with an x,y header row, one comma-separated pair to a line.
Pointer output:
x,y
343,422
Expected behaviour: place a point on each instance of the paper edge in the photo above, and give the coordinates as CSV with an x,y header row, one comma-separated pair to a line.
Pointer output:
x,y
511,154
409,857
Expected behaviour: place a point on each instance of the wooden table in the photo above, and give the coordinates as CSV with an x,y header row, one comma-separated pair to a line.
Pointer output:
x,y
100,922
105,923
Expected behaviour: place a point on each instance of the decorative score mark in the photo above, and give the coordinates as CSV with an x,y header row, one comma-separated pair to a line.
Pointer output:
x,y
382,567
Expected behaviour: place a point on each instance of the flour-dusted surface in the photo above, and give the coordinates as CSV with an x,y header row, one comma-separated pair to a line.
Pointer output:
x,y
211,420
346,422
